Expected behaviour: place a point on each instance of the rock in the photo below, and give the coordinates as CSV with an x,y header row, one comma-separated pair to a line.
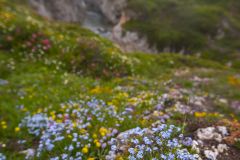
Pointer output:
x,y
223,130
211,155
222,147
75,10
209,134
208,141
65,10
195,146
112,9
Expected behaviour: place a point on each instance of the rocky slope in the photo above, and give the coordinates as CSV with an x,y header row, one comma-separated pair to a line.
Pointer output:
x,y
104,17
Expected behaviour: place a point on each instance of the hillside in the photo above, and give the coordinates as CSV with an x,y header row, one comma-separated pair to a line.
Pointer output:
x,y
67,93
208,27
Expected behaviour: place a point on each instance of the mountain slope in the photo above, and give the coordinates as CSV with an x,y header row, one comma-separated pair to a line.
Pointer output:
x,y
66,92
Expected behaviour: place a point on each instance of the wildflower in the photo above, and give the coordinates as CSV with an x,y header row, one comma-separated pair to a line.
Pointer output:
x,y
2,157
140,155
187,141
200,114
17,129
104,145
103,131
91,158
119,158
131,151
135,141
49,146
113,147
94,136
85,150
131,158
70,148
64,156
70,136
165,134
98,144
4,126
147,141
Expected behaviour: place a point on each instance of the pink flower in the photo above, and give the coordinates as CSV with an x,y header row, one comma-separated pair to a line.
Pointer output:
x,y
46,42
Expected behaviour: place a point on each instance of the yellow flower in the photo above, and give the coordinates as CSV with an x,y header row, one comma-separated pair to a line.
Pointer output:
x,y
133,101
61,37
122,95
98,90
200,114
52,113
4,126
74,124
98,144
7,15
82,131
91,159
53,117
103,131
85,150
3,123
39,110
233,81
59,121
69,136
17,129
94,136
120,158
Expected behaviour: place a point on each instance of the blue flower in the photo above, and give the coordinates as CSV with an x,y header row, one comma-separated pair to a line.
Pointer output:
x,y
140,154
147,140
165,134
2,157
135,141
131,151
113,147
187,141
131,158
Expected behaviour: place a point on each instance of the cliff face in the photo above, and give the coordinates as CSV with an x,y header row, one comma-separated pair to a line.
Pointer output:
x,y
65,10
75,10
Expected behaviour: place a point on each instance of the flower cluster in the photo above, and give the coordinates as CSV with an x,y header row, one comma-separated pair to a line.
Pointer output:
x,y
36,45
161,142
71,129
36,123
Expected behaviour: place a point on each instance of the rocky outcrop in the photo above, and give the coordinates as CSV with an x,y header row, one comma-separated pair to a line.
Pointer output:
x,y
104,17
75,10
65,10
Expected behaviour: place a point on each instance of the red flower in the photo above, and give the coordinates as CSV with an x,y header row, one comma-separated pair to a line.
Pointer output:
x,y
46,42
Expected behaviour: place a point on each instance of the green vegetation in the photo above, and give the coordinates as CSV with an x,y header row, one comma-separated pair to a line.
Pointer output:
x,y
59,70
189,26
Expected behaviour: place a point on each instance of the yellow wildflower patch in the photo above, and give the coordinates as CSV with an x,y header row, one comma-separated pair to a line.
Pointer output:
x,y
200,114
234,81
